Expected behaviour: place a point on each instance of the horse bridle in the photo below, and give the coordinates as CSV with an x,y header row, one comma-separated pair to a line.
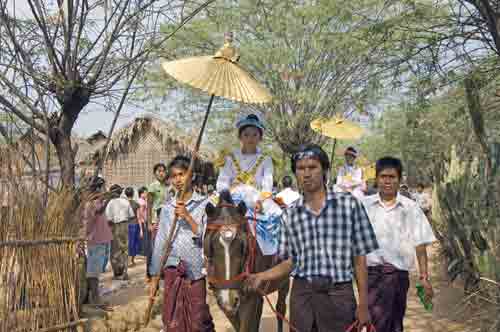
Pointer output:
x,y
228,235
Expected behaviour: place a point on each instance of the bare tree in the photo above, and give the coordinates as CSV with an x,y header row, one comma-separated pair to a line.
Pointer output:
x,y
59,57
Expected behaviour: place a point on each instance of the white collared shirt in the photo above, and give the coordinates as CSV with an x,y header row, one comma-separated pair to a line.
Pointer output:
x,y
423,200
119,210
399,230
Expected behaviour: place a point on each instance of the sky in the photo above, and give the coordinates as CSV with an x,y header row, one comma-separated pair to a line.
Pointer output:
x,y
93,118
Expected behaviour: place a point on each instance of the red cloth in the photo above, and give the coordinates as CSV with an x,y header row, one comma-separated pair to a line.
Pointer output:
x,y
185,308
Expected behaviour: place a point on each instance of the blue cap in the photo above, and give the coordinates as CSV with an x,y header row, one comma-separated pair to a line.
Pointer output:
x,y
250,120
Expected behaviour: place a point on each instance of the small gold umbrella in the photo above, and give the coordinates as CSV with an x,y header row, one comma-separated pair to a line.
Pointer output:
x,y
219,75
337,128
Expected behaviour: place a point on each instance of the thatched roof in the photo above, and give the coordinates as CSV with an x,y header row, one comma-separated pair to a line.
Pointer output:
x,y
126,139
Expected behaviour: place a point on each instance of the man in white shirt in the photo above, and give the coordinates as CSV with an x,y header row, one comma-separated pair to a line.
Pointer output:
x,y
119,213
288,196
402,231
423,200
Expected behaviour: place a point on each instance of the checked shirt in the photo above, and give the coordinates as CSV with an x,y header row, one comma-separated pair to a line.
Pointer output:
x,y
324,245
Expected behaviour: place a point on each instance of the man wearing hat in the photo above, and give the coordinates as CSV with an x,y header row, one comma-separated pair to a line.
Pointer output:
x,y
248,175
349,176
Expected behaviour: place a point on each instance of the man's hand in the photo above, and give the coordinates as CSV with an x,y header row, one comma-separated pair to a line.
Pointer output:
x,y
363,317
428,291
254,281
181,211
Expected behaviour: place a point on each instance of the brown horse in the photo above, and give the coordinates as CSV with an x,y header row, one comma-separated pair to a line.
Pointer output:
x,y
231,253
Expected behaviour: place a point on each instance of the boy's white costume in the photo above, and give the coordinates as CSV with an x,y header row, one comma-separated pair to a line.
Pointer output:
x,y
249,178
350,178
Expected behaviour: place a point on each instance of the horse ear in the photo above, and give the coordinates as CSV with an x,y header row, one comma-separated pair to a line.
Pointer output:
x,y
210,210
242,208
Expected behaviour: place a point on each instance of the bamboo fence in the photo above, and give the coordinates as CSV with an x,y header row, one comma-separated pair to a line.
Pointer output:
x,y
39,264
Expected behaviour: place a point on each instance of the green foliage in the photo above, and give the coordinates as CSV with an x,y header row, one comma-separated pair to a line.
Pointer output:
x,y
420,133
312,57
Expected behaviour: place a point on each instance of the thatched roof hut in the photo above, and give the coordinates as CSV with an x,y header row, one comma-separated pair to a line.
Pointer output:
x,y
137,147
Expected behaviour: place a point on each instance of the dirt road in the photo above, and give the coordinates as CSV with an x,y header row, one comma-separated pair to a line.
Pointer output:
x,y
448,315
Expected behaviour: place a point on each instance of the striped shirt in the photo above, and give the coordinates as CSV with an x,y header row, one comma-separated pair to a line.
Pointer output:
x,y
324,245
186,246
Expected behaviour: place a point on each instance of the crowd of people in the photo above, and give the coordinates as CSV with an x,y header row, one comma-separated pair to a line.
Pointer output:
x,y
324,236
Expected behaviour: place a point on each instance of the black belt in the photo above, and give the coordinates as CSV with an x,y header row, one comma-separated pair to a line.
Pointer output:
x,y
385,269
323,281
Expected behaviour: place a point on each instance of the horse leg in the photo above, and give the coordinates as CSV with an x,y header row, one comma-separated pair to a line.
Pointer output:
x,y
250,313
281,303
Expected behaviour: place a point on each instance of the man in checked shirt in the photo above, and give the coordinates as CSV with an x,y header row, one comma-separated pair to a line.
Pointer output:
x,y
319,239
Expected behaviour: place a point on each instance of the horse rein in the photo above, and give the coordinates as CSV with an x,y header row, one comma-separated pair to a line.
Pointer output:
x,y
222,283
234,282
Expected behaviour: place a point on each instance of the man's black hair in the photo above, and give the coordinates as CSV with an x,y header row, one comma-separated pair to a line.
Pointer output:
x,y
180,161
116,189
287,181
142,190
352,149
96,183
389,162
129,192
158,165
320,155
420,185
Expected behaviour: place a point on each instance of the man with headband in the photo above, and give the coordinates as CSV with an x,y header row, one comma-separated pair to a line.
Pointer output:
x,y
319,239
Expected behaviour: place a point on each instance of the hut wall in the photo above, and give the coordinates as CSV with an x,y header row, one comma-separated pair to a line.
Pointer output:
x,y
135,168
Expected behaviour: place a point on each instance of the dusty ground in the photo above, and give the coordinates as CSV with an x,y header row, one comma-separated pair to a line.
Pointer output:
x,y
129,299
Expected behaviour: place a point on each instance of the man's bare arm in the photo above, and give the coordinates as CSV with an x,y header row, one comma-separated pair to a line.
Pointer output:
x,y
362,313
422,259
361,279
280,271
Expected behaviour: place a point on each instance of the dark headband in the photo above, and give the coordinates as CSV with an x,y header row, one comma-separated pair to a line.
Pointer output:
x,y
309,153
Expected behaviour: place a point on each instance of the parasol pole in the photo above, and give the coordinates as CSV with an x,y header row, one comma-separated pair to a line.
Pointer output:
x,y
333,153
180,195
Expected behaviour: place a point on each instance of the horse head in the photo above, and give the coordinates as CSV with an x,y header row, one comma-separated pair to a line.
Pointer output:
x,y
225,247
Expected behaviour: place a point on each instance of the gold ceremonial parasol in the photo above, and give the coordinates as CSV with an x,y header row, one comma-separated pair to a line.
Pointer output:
x,y
218,75
337,128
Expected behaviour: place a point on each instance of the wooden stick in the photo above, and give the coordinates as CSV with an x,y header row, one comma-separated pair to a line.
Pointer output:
x,y
181,195
27,243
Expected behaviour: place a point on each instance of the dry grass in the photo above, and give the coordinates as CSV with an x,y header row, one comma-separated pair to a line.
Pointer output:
x,y
38,285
